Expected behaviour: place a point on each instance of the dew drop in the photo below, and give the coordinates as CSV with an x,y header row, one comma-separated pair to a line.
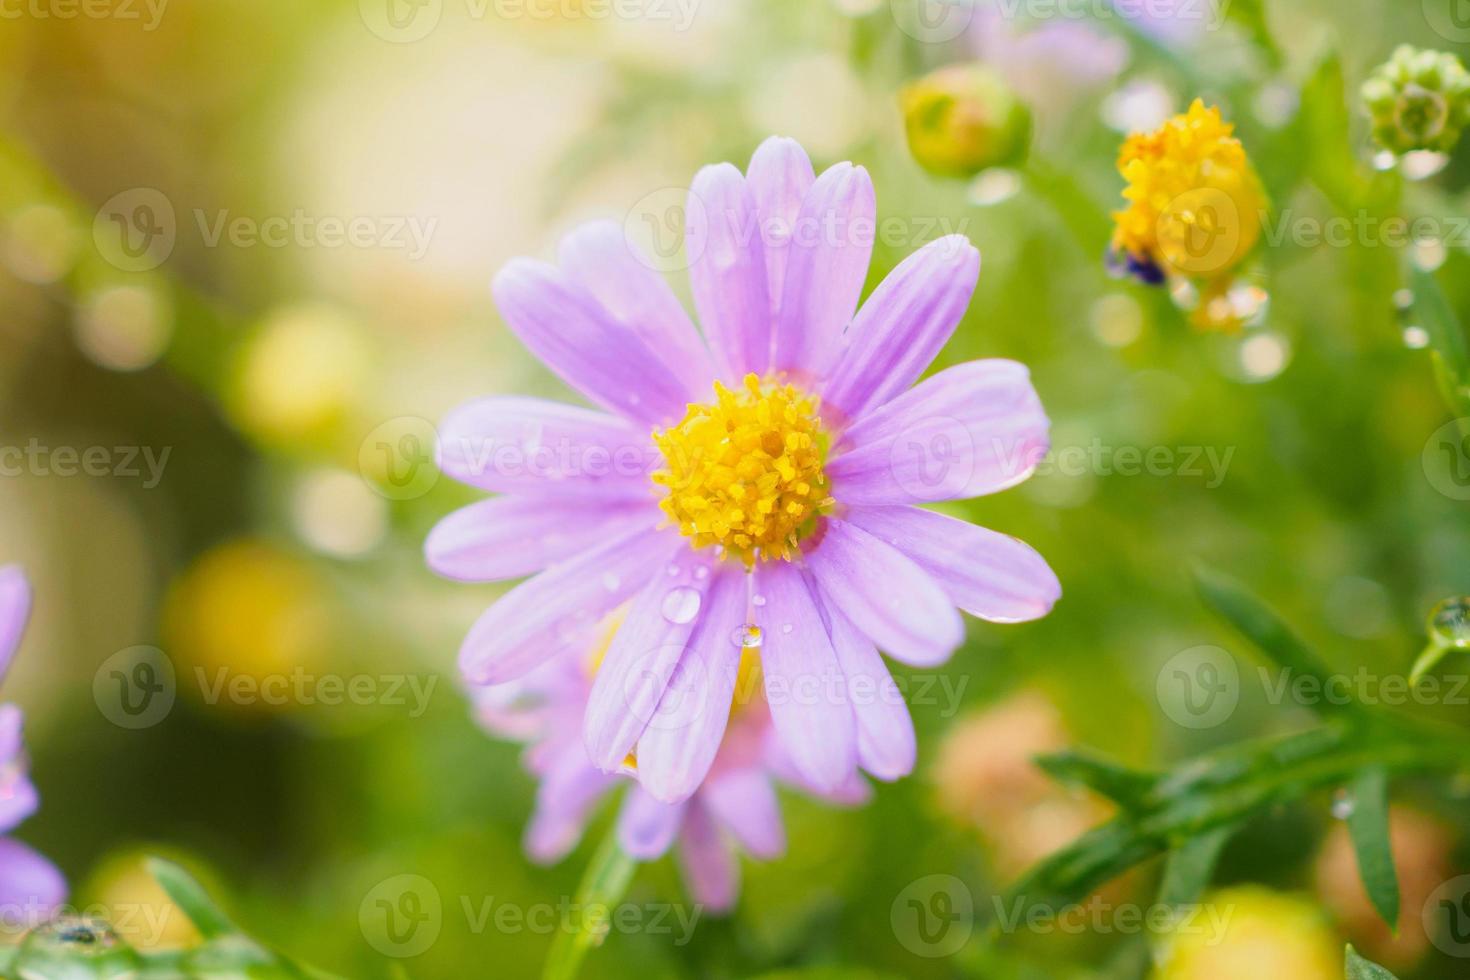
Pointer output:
x,y
758,600
611,582
673,571
1343,804
1416,337
787,628
681,605
701,573
747,637
1449,623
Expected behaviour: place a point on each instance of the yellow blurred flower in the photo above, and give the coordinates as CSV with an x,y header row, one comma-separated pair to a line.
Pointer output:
x,y
138,908
1194,202
245,613
1251,932
298,377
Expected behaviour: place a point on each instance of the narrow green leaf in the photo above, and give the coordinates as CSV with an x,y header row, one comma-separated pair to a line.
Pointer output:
x,y
191,898
1190,867
1368,827
1446,332
1259,624
1126,787
603,886
1361,969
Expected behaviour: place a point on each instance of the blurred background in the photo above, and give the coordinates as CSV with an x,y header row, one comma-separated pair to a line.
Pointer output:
x,y
244,251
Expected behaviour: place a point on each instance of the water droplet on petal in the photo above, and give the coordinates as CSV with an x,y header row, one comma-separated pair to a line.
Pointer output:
x,y
758,600
681,605
787,628
611,582
747,637
701,573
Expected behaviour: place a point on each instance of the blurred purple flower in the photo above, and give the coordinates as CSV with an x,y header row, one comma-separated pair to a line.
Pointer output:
x,y
1052,65
30,886
735,810
798,516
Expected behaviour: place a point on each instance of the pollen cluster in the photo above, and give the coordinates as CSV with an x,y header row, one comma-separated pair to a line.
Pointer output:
x,y
1195,202
745,471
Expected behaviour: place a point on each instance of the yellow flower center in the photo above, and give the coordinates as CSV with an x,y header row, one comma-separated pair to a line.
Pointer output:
x,y
744,472
1194,200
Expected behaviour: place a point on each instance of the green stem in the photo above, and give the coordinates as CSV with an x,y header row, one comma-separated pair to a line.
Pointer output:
x,y
603,886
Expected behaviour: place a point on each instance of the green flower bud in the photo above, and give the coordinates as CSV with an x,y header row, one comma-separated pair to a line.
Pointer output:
x,y
962,119
72,948
1419,100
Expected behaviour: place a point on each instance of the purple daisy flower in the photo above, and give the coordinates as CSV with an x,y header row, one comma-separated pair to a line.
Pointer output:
x,y
734,810
30,886
755,487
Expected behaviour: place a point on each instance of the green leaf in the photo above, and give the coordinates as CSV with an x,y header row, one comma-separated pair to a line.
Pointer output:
x,y
603,886
1451,350
1260,624
1189,869
1124,786
1223,788
190,897
1368,827
1361,969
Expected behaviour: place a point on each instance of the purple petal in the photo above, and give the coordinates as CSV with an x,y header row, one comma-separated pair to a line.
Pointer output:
x,y
743,801
18,797
641,660
646,826
831,245
985,573
809,710
852,791
903,326
710,871
969,430
886,744
534,446
677,748
563,325
780,174
31,887
887,597
569,790
536,618
15,610
512,536
727,270
599,258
